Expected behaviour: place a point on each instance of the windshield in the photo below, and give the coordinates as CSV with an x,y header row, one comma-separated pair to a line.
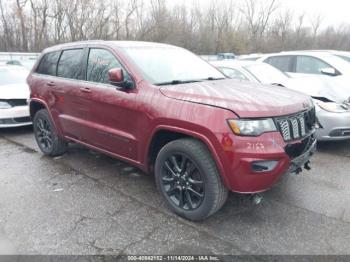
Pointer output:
x,y
161,65
9,76
266,74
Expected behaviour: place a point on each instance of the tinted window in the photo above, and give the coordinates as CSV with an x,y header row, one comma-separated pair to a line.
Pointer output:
x,y
283,63
310,65
69,65
233,73
99,63
48,64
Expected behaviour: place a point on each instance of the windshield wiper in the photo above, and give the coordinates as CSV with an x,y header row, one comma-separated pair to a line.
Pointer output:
x,y
214,78
176,82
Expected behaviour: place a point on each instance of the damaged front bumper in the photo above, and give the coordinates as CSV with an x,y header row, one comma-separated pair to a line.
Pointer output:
x,y
303,160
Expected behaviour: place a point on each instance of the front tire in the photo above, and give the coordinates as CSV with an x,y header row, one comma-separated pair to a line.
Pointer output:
x,y
188,179
46,135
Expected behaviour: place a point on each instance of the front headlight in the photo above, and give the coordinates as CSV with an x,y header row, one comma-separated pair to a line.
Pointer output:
x,y
246,127
333,107
5,105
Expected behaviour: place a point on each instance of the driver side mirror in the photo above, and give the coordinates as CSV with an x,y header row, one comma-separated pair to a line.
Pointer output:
x,y
116,78
329,71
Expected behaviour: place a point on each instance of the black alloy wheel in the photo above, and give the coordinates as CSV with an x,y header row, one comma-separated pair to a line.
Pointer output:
x,y
183,182
44,134
188,179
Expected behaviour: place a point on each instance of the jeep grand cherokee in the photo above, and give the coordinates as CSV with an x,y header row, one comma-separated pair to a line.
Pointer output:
x,y
168,112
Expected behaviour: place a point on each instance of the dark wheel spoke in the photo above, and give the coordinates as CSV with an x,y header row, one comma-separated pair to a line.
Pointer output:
x,y
195,192
170,169
190,169
183,164
49,141
168,180
172,190
195,182
189,199
176,165
40,125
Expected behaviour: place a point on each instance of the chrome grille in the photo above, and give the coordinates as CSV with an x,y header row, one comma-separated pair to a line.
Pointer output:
x,y
297,126
302,125
284,126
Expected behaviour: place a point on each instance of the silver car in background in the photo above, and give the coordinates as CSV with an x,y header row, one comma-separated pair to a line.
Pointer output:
x,y
304,63
14,93
330,94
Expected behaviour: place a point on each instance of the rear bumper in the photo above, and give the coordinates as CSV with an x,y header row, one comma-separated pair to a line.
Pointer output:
x,y
15,116
268,149
334,126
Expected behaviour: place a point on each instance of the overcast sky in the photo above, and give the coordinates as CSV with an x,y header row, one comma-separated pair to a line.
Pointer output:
x,y
334,12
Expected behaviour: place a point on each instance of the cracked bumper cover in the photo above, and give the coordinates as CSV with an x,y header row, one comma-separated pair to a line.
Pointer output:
x,y
244,152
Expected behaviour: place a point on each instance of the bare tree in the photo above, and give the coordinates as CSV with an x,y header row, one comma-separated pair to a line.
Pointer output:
x,y
258,15
222,25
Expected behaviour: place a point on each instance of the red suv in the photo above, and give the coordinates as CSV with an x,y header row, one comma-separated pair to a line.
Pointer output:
x,y
166,111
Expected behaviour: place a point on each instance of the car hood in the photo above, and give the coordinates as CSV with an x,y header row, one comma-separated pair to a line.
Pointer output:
x,y
336,89
14,91
246,99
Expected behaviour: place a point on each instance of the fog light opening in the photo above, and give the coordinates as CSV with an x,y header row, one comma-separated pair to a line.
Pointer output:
x,y
263,166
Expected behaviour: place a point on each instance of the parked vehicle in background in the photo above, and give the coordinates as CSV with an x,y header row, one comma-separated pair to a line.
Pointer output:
x,y
302,63
331,94
23,59
14,93
219,56
250,57
342,54
251,71
167,111
226,56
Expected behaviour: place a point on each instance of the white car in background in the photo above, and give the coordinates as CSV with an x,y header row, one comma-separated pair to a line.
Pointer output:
x,y
14,93
330,94
303,63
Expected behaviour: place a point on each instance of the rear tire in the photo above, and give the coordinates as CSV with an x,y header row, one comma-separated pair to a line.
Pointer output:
x,y
188,179
46,135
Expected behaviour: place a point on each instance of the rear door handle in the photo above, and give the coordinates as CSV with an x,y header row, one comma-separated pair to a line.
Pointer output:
x,y
85,89
51,83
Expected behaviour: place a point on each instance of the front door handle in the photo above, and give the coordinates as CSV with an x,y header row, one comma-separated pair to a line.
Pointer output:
x,y
85,89
51,83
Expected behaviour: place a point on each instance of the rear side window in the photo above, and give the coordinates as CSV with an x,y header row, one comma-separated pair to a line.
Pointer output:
x,y
69,65
99,63
283,63
310,65
48,64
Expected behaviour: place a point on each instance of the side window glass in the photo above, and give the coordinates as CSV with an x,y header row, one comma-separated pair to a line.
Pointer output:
x,y
48,64
310,65
233,73
69,65
280,62
99,63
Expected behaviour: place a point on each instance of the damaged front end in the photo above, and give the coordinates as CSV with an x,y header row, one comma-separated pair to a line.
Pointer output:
x,y
300,154
333,118
298,131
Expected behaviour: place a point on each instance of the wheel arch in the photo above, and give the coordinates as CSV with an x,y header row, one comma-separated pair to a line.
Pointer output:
x,y
165,134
